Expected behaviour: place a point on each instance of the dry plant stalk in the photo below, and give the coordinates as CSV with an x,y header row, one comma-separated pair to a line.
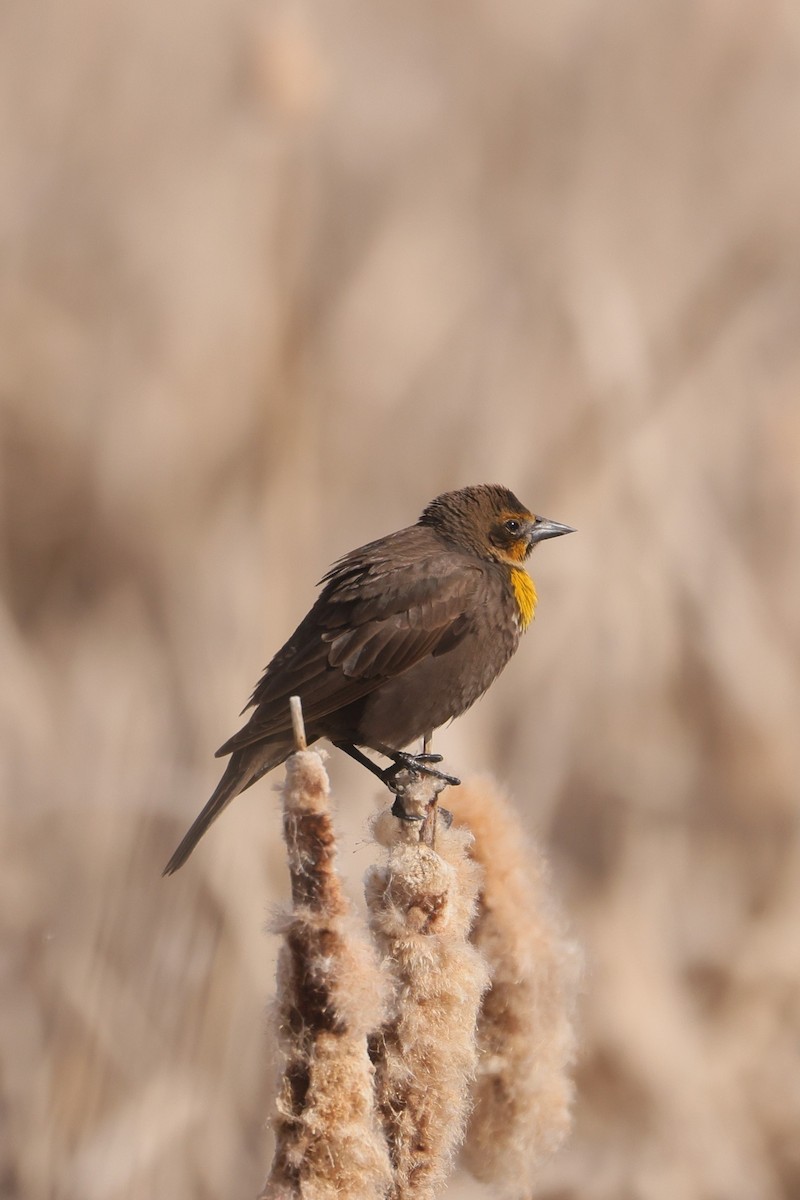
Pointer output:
x,y
526,1035
328,1140
422,904
375,1095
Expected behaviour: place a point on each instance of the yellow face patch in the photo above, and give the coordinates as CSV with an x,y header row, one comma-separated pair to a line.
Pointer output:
x,y
525,595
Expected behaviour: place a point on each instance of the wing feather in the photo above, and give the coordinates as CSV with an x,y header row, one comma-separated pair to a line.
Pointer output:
x,y
379,613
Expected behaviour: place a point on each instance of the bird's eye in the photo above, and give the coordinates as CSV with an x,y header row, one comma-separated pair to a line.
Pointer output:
x,y
512,526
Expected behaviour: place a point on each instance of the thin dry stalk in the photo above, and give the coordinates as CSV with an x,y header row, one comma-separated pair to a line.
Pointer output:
x,y
328,1140
422,904
526,1035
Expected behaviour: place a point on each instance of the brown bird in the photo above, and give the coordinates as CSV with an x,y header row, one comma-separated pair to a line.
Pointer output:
x,y
406,634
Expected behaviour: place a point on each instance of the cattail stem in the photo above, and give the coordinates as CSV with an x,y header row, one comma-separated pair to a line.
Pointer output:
x,y
298,725
329,1145
471,1003
422,903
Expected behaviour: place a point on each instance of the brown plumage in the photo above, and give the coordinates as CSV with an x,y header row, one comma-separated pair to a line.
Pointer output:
x,y
407,633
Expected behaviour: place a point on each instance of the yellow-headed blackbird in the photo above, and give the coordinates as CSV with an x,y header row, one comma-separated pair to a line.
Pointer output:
x,y
407,632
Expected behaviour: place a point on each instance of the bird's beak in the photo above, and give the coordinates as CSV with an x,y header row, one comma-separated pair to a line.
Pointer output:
x,y
542,528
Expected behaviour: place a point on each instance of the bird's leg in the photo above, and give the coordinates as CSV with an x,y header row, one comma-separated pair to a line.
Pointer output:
x,y
420,764
418,802
416,764
362,758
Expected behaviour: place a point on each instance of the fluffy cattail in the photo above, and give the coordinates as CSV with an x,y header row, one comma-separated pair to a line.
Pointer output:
x,y
422,904
526,1037
328,1140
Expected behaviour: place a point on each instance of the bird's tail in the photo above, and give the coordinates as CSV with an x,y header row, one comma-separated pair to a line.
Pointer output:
x,y
245,767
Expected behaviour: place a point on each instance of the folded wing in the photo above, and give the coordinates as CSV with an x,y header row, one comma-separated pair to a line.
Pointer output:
x,y
374,619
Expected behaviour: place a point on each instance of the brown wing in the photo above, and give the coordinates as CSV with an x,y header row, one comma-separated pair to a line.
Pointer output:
x,y
383,608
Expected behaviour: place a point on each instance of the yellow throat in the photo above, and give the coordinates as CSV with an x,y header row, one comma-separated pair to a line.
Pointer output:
x,y
524,594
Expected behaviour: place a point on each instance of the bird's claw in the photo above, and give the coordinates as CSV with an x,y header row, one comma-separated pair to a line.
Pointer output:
x,y
403,774
399,811
444,814
415,765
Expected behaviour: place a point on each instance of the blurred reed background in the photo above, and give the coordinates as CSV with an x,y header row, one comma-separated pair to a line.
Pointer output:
x,y
273,276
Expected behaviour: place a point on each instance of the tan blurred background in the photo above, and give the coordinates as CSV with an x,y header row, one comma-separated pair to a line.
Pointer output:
x,y
274,275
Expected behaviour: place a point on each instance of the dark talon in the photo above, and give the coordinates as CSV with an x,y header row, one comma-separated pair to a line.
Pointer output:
x,y
444,814
416,764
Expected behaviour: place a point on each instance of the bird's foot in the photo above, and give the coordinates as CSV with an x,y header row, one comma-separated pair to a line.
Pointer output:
x,y
415,765
405,771
398,810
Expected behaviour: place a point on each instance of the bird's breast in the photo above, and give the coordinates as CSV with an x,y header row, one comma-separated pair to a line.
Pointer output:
x,y
442,686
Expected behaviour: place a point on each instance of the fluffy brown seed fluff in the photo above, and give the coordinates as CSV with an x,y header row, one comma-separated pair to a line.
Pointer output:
x,y
422,902
526,1038
328,1140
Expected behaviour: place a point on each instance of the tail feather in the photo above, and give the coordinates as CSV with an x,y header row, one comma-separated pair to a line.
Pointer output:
x,y
245,767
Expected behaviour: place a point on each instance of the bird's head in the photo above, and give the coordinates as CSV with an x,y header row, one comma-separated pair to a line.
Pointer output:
x,y
489,520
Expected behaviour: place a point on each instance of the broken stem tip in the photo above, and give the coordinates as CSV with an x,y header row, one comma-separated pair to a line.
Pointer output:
x,y
298,726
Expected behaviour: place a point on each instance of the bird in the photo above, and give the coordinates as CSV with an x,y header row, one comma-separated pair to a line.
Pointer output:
x,y
406,634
